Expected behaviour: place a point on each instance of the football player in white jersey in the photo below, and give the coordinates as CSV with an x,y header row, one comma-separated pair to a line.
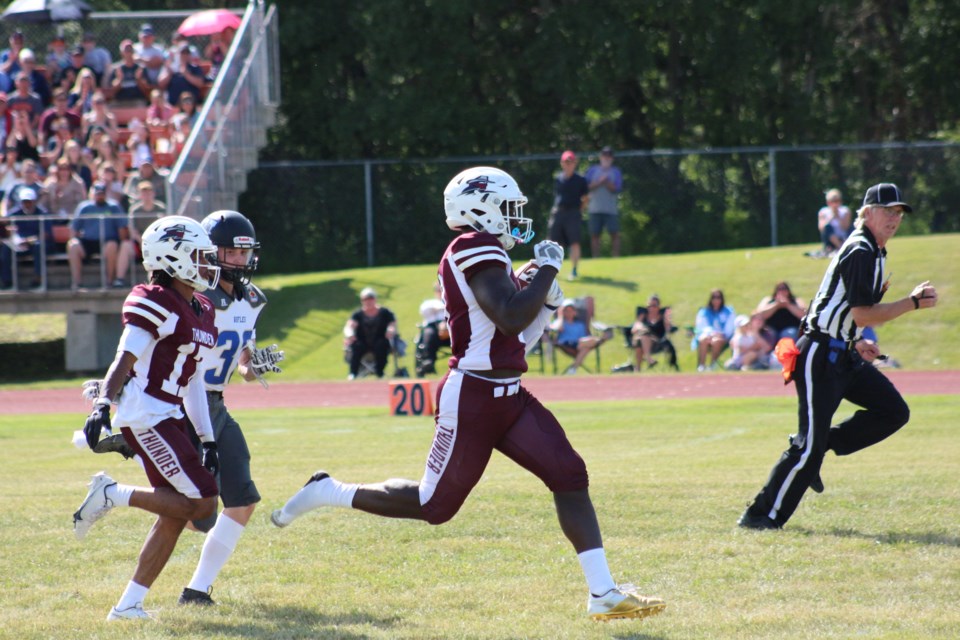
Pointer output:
x,y
238,303
168,332
493,316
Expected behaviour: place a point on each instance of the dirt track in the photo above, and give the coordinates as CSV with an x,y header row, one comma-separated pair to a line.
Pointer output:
x,y
373,393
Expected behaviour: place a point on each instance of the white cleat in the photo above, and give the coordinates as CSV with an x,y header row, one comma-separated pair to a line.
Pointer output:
x,y
623,602
135,612
279,520
94,506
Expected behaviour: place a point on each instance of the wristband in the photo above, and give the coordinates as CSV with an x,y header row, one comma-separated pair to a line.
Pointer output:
x,y
916,302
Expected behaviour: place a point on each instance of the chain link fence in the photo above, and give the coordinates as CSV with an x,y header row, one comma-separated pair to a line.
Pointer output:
x,y
355,214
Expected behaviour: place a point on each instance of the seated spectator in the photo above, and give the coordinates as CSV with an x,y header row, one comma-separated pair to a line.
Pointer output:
x,y
9,172
38,80
6,121
182,125
146,172
100,116
177,42
713,329
67,79
188,79
29,237
107,174
128,80
149,54
215,52
58,60
159,112
80,161
63,191
106,236
80,98
56,145
58,111
750,350
30,179
573,335
23,137
780,313
650,334
10,58
138,143
95,58
108,154
144,210
833,221
433,333
26,101
371,329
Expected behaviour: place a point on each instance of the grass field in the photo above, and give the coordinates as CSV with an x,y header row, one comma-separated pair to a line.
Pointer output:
x,y
876,556
306,312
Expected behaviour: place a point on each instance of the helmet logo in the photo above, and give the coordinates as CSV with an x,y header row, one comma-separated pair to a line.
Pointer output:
x,y
176,232
243,242
480,183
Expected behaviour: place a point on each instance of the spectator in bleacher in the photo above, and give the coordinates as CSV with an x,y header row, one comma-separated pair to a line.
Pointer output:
x,y
188,79
106,236
81,95
96,58
144,210
23,137
159,112
63,191
38,79
215,52
58,60
187,103
177,42
24,99
146,172
56,145
100,116
107,174
79,162
29,233
107,152
181,126
29,179
128,80
149,54
10,58
6,121
9,172
58,111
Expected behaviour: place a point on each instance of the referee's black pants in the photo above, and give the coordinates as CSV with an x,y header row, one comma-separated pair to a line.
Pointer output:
x,y
824,376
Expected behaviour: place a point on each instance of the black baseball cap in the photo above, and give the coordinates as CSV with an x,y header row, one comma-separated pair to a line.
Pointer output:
x,y
885,194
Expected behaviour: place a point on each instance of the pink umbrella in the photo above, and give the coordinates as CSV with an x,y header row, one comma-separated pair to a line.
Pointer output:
x,y
205,23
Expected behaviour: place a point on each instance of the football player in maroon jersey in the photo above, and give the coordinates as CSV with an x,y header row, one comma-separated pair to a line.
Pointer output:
x,y
482,406
168,330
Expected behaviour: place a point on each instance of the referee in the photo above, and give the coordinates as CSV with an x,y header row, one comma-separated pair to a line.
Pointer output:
x,y
833,363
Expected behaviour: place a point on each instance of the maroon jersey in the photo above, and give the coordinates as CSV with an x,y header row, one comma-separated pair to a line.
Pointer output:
x,y
184,333
476,342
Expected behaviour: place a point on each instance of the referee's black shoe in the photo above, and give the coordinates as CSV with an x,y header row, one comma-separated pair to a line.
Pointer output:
x,y
750,520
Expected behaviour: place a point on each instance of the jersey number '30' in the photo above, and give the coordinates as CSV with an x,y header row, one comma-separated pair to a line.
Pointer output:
x,y
228,344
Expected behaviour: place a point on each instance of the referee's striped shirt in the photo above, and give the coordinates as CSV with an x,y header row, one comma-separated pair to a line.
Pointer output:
x,y
853,279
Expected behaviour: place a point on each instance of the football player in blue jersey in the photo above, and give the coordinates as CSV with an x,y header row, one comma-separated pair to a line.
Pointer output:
x,y
238,304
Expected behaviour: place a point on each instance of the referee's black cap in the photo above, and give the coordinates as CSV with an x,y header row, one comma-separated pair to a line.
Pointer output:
x,y
885,194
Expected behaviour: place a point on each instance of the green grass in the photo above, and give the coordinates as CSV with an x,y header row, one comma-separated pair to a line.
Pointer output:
x,y
307,311
876,556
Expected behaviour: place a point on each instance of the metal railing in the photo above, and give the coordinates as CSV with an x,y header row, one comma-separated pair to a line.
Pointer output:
x,y
212,169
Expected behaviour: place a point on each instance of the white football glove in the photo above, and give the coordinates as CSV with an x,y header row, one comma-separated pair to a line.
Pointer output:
x,y
264,360
554,296
91,390
548,254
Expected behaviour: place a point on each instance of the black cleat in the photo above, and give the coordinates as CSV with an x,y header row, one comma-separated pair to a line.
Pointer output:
x,y
752,521
192,596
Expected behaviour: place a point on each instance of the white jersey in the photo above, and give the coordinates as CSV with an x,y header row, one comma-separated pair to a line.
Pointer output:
x,y
236,324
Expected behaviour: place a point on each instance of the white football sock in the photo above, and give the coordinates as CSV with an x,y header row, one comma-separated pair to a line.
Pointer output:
x,y
323,493
133,594
120,494
217,549
595,570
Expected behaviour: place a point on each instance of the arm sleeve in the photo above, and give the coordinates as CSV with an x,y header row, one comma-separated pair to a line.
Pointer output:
x,y
536,328
135,340
195,404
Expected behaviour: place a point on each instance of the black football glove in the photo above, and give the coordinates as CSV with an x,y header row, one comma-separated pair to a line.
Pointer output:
x,y
98,420
211,461
115,444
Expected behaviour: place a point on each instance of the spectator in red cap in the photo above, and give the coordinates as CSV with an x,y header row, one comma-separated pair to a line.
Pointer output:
x,y
571,194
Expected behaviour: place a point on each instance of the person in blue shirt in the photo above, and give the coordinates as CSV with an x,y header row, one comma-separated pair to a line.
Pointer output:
x,y
29,236
573,336
100,226
714,327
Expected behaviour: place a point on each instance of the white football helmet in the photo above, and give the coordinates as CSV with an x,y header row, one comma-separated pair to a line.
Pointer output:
x,y
488,199
179,246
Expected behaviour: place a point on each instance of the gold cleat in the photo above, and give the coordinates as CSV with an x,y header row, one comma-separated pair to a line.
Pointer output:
x,y
623,602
